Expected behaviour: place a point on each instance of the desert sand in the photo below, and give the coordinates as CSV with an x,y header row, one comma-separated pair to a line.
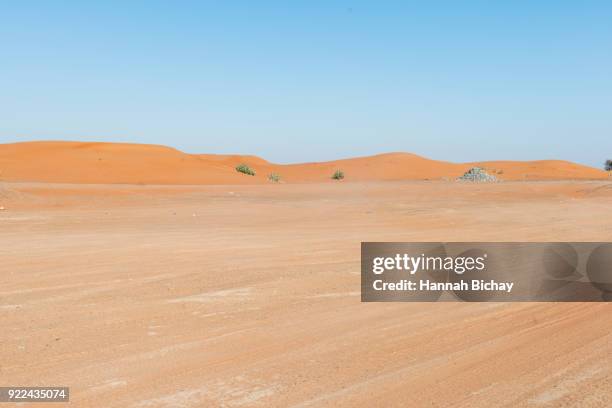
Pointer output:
x,y
248,295
119,163
142,276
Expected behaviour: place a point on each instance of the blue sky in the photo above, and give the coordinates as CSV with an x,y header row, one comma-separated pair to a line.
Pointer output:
x,y
316,80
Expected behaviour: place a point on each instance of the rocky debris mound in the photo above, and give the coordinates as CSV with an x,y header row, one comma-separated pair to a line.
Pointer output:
x,y
477,174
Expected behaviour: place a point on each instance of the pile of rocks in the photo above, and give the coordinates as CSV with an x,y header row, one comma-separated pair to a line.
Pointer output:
x,y
479,175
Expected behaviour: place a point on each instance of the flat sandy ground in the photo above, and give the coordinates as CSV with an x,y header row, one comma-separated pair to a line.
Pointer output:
x,y
229,296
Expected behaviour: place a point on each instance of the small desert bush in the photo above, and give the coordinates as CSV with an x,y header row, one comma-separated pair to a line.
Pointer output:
x,y
338,175
243,168
274,177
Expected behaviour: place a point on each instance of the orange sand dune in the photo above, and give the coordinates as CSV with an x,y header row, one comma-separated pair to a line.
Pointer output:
x,y
76,162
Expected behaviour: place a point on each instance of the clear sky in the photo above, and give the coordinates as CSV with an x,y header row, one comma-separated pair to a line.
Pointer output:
x,y
314,80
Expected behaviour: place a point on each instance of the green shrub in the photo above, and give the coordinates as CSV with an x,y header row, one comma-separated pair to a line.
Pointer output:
x,y
243,168
338,175
274,177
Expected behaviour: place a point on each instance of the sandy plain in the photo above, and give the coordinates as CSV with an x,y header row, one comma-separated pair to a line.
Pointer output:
x,y
248,295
